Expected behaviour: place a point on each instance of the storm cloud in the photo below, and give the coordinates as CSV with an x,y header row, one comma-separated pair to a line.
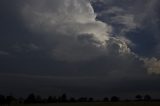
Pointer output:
x,y
74,28
74,46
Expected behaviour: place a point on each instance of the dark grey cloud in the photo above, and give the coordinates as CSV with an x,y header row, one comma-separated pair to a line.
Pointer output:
x,y
60,46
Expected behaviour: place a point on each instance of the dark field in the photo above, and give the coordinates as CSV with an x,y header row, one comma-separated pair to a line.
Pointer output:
x,y
96,104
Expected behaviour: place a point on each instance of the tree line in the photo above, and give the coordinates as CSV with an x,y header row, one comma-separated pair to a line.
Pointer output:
x,y
33,99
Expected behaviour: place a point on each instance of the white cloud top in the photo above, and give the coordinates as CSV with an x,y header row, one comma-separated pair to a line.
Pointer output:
x,y
75,21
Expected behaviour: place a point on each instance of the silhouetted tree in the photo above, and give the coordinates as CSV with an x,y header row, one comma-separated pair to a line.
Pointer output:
x,y
138,97
21,100
147,98
2,99
38,99
31,99
114,99
106,99
90,99
72,99
82,99
62,98
50,99
55,100
10,99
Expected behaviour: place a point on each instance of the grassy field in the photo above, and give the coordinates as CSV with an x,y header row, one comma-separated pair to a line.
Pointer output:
x,y
96,104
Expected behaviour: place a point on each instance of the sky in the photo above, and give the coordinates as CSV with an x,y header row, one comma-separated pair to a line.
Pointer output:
x,y
92,48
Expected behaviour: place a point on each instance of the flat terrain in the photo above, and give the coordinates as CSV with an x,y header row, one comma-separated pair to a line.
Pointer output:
x,y
96,104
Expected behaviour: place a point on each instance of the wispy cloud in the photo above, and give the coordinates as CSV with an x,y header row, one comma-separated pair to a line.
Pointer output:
x,y
4,53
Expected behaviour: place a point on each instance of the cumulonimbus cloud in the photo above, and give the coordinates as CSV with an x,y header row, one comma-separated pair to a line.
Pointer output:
x,y
79,36
73,24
